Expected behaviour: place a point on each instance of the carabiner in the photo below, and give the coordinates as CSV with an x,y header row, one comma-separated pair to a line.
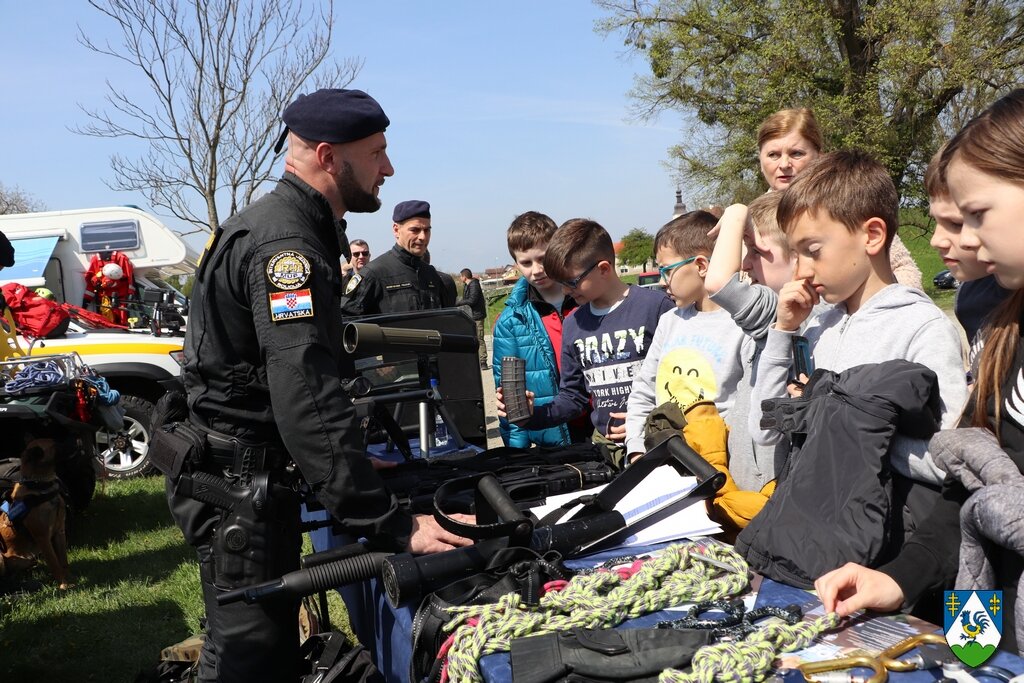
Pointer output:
x,y
888,656
842,664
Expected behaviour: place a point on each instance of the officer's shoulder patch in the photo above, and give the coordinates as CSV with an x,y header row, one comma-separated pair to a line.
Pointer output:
x,y
353,283
290,305
288,270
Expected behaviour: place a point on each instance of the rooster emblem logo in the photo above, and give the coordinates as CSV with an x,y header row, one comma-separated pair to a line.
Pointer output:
x,y
973,630
973,624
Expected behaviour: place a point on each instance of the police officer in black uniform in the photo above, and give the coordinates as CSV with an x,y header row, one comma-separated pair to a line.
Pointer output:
x,y
263,370
402,279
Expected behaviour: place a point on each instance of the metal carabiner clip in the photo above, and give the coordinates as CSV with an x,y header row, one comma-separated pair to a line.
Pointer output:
x,y
889,656
881,675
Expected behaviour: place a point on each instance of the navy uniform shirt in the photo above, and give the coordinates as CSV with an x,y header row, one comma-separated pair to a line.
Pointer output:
x,y
264,358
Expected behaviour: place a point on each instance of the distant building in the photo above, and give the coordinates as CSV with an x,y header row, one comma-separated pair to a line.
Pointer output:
x,y
680,207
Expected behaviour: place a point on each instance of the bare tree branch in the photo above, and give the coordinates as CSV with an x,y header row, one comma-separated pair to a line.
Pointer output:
x,y
16,200
218,74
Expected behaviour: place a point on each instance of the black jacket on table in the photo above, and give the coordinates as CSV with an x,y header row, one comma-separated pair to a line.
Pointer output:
x,y
473,296
263,352
928,561
834,500
395,282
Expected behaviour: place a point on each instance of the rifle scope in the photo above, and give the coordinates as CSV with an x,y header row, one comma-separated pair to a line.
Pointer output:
x,y
370,338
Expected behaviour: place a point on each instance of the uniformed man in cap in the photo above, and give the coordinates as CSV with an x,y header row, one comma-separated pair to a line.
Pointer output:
x,y
402,279
263,370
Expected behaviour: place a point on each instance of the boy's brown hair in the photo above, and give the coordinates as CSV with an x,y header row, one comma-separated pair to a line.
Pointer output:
x,y
687,235
763,213
934,180
850,185
529,230
576,245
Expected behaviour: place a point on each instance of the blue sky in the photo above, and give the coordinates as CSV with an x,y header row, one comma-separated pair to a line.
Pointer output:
x,y
496,108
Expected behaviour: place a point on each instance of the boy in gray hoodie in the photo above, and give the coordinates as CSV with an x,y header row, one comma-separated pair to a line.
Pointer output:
x,y
840,216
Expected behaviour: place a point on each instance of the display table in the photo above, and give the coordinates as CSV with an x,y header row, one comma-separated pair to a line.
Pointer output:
x,y
386,632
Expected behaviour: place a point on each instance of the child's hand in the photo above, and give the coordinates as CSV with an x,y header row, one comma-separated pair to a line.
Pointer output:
x,y
499,400
796,389
735,214
616,432
796,299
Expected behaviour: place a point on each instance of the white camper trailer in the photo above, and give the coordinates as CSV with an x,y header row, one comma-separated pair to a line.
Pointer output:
x,y
53,249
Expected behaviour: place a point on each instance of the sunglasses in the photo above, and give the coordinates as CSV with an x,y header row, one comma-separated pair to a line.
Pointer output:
x,y
666,271
575,282
358,254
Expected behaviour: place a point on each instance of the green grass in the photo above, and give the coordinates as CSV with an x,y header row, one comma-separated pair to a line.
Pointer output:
x,y
137,591
928,260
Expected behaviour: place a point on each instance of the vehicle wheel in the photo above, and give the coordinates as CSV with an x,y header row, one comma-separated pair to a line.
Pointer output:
x,y
125,453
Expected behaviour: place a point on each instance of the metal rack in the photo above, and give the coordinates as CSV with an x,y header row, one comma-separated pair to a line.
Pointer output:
x,y
55,372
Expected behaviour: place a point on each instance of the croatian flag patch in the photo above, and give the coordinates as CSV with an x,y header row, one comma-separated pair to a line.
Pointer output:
x,y
289,305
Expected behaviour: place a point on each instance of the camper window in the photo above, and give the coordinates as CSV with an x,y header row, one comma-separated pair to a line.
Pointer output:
x,y
110,236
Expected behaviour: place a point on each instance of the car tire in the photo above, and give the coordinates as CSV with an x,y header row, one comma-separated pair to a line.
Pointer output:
x,y
125,453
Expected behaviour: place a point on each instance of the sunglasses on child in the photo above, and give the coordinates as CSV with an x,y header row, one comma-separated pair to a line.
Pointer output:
x,y
575,282
666,271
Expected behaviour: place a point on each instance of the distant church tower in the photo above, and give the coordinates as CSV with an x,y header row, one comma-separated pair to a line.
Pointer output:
x,y
680,208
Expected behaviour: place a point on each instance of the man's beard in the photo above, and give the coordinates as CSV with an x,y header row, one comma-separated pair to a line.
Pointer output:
x,y
355,198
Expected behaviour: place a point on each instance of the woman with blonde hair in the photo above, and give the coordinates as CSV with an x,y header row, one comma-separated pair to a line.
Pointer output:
x,y
790,139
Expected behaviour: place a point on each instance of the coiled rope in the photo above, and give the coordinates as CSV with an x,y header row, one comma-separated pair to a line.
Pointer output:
x,y
749,660
42,373
598,600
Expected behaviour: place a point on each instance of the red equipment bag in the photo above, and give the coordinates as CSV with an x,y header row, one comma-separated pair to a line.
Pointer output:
x,y
34,316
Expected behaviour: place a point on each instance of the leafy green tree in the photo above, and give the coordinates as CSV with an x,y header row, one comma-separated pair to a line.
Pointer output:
x,y
637,248
895,77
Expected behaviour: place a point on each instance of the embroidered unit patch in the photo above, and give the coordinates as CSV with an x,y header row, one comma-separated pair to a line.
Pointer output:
x,y
288,270
352,284
290,305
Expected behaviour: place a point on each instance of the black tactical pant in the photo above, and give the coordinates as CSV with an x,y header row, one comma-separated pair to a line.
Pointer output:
x,y
247,643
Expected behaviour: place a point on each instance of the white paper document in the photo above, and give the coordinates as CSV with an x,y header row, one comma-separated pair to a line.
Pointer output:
x,y
659,490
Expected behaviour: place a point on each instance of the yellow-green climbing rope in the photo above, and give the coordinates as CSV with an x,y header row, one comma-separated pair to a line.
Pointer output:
x,y
750,659
599,600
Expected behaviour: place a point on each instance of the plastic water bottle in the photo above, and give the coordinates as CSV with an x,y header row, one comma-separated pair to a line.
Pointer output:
x,y
440,428
440,432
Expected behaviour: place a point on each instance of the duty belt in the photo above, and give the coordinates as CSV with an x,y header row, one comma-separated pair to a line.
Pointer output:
x,y
244,458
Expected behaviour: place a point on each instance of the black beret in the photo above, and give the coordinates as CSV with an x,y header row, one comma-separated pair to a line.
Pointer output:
x,y
333,115
411,209
6,251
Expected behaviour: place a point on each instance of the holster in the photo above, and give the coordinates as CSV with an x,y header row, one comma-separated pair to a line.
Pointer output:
x,y
584,654
174,446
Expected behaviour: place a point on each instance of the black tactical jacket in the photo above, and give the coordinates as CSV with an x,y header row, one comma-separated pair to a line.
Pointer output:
x,y
263,352
395,282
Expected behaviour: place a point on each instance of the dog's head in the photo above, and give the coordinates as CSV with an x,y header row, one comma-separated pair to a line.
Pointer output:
x,y
39,459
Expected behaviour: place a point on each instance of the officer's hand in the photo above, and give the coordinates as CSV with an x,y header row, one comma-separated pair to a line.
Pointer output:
x,y
428,536
853,587
499,400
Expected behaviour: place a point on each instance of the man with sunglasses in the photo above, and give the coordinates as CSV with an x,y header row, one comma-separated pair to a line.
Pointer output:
x,y
360,257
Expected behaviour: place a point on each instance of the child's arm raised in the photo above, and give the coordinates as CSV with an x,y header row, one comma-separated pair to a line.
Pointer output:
x,y
727,257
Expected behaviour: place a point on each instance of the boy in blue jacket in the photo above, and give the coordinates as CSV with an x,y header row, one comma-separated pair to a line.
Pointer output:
x,y
530,328
604,341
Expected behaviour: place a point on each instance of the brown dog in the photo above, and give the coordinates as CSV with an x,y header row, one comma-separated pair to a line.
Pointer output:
x,y
37,527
